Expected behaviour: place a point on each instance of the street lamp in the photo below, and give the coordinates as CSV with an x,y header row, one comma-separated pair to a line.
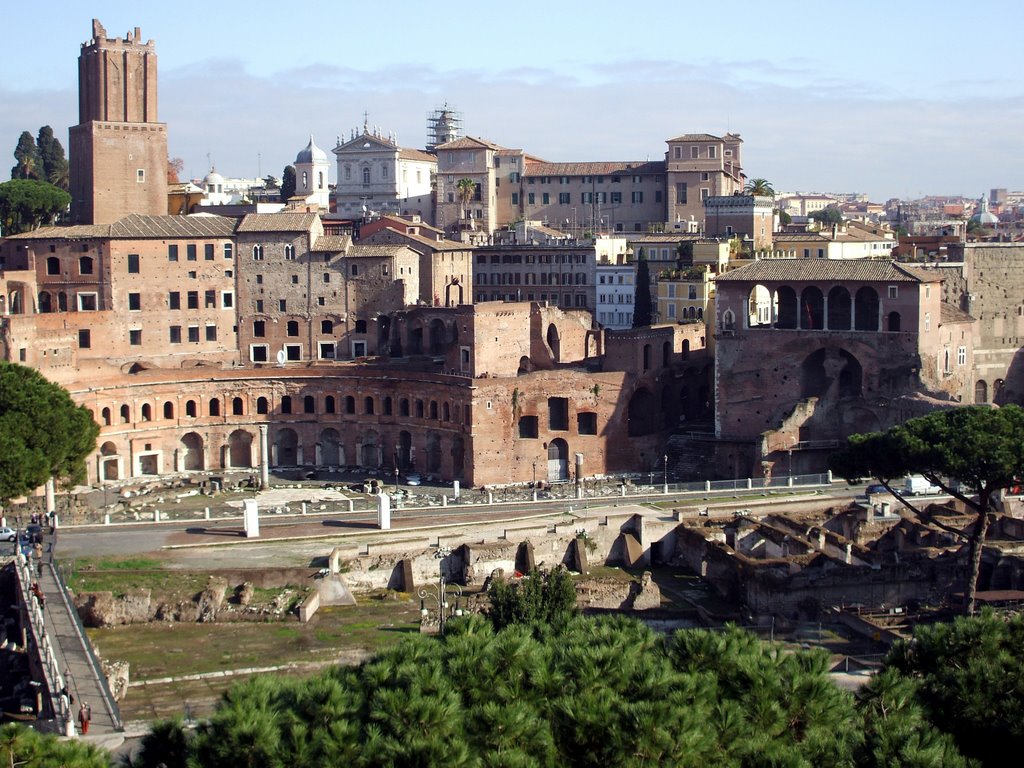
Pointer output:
x,y
439,594
664,460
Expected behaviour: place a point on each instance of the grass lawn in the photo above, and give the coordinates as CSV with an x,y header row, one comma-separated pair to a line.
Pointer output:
x,y
340,634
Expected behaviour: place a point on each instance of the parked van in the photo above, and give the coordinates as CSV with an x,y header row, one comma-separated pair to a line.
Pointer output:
x,y
915,485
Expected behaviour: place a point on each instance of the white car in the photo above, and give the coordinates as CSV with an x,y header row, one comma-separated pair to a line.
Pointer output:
x,y
8,534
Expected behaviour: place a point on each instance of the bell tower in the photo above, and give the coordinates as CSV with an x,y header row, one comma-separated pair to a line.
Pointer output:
x,y
118,150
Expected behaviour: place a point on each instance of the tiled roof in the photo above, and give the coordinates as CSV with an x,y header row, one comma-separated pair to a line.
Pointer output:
x,y
77,232
277,222
468,142
697,137
431,242
820,270
332,244
417,154
197,225
595,169
137,226
373,251
950,314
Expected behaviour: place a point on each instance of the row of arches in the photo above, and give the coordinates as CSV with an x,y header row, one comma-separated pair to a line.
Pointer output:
x,y
367,449
812,309
981,391
368,405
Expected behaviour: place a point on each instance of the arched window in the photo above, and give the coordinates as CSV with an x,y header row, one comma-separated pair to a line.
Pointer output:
x,y
980,391
446,411
320,180
329,404
53,265
419,409
105,413
257,252
403,407
237,407
894,322
126,414
289,252
350,404
286,404
293,328
785,300
812,309
262,406
214,407
647,357
368,405
147,412
309,404
433,409
839,309
865,309
85,265
366,175
44,302
387,406
305,180
168,410
190,409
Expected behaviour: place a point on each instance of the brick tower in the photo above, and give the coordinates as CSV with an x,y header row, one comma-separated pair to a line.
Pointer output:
x,y
118,151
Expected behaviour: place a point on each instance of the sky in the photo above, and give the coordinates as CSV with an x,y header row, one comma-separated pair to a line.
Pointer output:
x,y
890,99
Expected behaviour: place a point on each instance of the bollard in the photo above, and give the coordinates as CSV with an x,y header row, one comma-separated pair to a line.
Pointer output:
x,y
490,497
351,505
444,501
623,489
789,481
156,515
303,507
828,476
106,519
707,486
750,483
534,495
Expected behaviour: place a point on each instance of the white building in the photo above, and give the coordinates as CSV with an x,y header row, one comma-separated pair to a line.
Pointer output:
x,y
376,175
615,284
311,176
218,190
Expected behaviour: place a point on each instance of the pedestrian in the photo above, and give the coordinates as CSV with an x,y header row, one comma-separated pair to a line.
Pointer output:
x,y
84,716
38,594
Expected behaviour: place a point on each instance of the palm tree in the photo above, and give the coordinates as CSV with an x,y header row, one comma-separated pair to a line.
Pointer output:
x,y
759,188
467,189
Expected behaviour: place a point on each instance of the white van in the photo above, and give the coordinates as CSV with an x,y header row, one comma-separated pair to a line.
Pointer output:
x,y
915,485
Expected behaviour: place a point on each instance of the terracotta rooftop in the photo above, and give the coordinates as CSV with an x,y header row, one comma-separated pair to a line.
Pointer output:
x,y
951,314
417,154
699,137
332,244
636,167
136,226
373,251
821,270
468,142
431,242
277,222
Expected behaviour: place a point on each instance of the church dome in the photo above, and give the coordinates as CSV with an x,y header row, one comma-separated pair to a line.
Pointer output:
x,y
311,154
212,178
984,215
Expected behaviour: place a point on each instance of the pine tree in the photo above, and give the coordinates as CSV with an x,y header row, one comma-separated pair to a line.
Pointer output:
x,y
30,163
642,308
51,152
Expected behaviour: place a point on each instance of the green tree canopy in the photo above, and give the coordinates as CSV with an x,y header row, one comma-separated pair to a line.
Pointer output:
x,y
548,598
29,163
287,183
26,204
606,691
43,433
25,747
759,188
643,309
965,678
55,164
784,217
830,214
970,453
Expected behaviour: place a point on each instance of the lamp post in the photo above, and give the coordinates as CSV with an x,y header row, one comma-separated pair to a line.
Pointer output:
x,y
664,487
439,594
